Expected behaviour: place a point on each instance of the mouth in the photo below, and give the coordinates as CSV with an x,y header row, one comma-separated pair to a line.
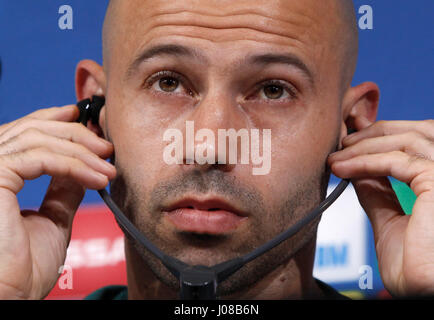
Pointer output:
x,y
211,216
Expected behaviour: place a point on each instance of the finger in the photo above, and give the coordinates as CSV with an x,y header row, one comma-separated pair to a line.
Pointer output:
x,y
74,132
413,170
378,199
31,164
82,137
411,142
65,113
32,139
384,128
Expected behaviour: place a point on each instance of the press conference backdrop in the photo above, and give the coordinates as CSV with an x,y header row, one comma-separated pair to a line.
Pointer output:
x,y
39,57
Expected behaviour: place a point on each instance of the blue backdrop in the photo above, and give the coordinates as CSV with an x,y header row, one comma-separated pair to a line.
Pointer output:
x,y
39,61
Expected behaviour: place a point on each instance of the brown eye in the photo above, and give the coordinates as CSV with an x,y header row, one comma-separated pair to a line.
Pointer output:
x,y
273,91
168,84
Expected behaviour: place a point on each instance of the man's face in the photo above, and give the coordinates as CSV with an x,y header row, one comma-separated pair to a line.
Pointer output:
x,y
222,64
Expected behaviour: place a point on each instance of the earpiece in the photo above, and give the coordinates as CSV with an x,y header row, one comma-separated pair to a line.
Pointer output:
x,y
351,131
90,109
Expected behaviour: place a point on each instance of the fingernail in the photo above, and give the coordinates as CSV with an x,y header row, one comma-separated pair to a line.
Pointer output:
x,y
331,155
100,176
335,156
349,138
108,165
108,143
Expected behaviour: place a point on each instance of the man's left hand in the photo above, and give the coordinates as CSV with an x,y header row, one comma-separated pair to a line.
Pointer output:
x,y
404,243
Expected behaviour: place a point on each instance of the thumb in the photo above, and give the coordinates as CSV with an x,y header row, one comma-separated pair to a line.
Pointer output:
x,y
379,201
61,202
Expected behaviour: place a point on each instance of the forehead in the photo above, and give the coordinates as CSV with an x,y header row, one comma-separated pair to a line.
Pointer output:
x,y
219,26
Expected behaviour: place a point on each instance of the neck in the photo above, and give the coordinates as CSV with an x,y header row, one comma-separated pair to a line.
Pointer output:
x,y
291,280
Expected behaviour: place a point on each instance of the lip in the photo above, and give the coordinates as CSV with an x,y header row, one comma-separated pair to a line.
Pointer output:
x,y
209,216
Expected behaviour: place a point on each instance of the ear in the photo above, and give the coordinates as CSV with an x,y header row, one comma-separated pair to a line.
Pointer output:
x,y
90,80
360,104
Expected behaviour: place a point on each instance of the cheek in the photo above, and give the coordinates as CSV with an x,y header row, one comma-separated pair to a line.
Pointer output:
x,y
298,156
138,140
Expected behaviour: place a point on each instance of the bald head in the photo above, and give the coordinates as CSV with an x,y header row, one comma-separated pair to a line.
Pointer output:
x,y
340,14
349,37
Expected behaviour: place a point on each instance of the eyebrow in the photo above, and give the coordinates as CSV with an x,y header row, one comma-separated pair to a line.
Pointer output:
x,y
161,50
288,58
183,51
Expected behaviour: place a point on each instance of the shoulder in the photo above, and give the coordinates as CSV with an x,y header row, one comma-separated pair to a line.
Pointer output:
x,y
109,293
117,292
329,292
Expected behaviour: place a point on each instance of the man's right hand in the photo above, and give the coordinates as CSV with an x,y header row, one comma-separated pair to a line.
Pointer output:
x,y
33,243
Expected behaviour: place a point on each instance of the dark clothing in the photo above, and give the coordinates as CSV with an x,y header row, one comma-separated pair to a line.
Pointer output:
x,y
121,293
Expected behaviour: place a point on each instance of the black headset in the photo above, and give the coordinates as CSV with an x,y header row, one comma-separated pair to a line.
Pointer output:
x,y
197,282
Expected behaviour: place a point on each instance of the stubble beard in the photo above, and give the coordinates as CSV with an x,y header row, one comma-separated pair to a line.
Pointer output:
x,y
142,208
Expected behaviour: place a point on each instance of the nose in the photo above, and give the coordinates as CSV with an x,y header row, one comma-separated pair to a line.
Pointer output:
x,y
216,117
